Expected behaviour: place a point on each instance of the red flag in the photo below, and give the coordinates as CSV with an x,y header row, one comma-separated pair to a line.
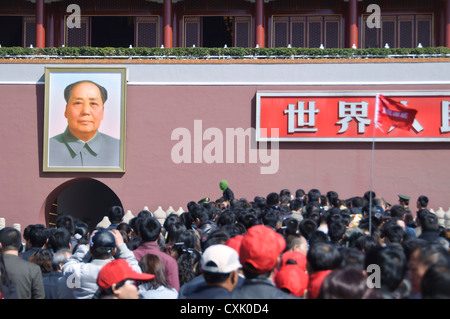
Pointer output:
x,y
391,113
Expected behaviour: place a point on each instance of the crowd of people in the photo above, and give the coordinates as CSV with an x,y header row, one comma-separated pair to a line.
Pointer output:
x,y
285,245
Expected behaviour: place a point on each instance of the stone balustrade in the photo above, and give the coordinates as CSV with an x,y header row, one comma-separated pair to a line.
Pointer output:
x,y
161,214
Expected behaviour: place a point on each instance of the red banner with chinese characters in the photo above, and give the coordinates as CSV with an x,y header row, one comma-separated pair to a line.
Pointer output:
x,y
348,116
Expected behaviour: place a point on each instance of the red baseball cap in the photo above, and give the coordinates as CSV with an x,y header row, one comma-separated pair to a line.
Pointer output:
x,y
298,257
119,270
235,242
292,278
260,248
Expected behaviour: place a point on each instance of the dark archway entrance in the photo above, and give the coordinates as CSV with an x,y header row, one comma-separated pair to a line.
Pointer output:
x,y
87,200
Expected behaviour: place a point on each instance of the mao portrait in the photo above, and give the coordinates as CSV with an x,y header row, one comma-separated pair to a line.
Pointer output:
x,y
84,120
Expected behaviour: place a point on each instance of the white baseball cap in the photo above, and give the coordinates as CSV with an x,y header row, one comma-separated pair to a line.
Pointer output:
x,y
220,259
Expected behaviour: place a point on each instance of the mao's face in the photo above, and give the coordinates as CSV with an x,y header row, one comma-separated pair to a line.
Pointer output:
x,y
84,110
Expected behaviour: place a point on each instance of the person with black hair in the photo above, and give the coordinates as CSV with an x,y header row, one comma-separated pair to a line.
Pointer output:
x,y
362,242
202,221
273,200
190,256
346,283
422,202
259,202
285,192
59,239
125,229
158,287
188,264
187,252
301,196
37,238
322,258
306,227
419,216
351,258
333,215
392,265
174,232
369,197
50,276
270,219
84,265
296,207
318,237
336,232
333,199
248,220
149,234
289,227
436,282
227,217
68,222
423,257
313,200
320,217
397,211
357,204
26,276
217,236
115,216
430,227
81,234
171,219
393,235
134,240
284,203
171,230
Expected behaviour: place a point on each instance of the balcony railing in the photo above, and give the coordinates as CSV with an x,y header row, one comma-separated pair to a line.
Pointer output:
x,y
233,53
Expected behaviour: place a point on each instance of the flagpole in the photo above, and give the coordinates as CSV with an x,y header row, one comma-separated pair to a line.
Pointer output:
x,y
400,117
375,120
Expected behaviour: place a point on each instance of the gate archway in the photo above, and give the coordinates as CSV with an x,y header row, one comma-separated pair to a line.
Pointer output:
x,y
85,199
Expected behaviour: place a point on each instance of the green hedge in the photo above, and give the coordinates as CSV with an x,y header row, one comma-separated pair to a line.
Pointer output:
x,y
205,53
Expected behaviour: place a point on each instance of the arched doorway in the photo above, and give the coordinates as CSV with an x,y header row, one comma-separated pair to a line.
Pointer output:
x,y
85,199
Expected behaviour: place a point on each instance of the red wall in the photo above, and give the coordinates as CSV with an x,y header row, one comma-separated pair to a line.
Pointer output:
x,y
152,179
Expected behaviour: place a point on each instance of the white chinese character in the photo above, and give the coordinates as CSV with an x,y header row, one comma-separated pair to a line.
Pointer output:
x,y
353,110
445,128
305,117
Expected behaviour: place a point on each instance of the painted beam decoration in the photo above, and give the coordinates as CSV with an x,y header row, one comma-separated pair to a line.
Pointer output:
x,y
350,116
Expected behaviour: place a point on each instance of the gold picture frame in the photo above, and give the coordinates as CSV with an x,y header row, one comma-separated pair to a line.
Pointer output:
x,y
91,140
